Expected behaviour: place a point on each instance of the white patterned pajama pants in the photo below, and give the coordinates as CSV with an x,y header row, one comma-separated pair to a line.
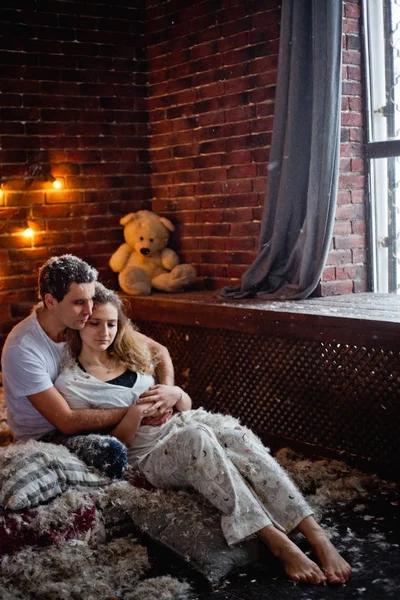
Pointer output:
x,y
230,467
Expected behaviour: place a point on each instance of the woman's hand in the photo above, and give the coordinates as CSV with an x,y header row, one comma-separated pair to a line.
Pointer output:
x,y
158,419
162,397
165,397
128,426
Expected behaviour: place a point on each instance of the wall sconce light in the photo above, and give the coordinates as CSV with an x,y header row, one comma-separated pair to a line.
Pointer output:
x,y
57,182
28,232
29,229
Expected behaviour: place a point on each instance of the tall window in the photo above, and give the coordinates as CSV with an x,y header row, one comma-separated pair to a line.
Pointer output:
x,y
382,52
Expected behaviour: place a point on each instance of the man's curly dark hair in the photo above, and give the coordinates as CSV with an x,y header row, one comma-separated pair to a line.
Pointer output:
x,y
57,274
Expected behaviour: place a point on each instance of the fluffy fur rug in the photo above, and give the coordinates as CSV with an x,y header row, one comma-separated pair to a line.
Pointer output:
x,y
6,436
92,568
78,571
87,569
325,482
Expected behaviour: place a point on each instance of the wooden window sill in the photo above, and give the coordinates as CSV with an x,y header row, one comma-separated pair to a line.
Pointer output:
x,y
357,319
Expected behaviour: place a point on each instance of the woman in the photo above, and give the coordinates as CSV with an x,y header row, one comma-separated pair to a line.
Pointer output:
x,y
176,447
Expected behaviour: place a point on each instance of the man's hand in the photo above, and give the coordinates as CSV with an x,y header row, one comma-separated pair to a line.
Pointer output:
x,y
162,396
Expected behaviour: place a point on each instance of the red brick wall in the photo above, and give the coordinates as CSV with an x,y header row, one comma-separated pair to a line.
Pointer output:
x,y
212,75
73,102
190,129
346,269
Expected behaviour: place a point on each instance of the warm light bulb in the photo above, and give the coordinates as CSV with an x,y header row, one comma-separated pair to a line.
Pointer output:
x,y
57,184
28,233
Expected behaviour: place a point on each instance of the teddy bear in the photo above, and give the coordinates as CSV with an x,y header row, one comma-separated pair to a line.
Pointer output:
x,y
144,262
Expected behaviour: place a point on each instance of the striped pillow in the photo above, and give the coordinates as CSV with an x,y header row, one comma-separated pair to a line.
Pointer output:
x,y
33,472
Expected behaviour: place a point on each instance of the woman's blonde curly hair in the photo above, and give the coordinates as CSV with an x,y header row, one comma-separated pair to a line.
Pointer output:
x,y
125,348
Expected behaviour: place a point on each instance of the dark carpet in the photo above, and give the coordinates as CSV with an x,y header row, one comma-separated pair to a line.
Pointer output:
x,y
367,534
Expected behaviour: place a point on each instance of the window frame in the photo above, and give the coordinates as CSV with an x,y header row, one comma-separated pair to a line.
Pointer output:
x,y
382,222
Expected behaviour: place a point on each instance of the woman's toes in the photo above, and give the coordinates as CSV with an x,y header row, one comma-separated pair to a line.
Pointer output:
x,y
314,578
336,576
319,577
309,576
331,576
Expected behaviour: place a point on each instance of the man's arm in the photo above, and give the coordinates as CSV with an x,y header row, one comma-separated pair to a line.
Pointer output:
x,y
53,407
161,358
167,394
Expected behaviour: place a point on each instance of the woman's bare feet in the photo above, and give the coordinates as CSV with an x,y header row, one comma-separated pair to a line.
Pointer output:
x,y
298,567
336,569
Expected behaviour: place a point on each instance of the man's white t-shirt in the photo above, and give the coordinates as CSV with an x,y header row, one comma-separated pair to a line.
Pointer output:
x,y
31,362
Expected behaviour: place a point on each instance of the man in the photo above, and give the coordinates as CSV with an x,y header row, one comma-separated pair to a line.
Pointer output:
x,y
32,358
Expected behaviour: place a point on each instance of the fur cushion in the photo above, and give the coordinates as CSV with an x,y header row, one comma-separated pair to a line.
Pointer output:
x,y
185,523
34,472
23,530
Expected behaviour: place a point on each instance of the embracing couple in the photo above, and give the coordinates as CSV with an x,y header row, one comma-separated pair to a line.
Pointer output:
x,y
77,373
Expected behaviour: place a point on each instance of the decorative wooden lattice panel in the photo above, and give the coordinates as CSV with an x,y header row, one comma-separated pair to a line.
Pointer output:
x,y
340,397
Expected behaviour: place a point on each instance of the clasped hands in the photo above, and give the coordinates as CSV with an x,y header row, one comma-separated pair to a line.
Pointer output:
x,y
159,400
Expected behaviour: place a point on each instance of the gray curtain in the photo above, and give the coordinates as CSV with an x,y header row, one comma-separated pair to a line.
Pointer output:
x,y
299,212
